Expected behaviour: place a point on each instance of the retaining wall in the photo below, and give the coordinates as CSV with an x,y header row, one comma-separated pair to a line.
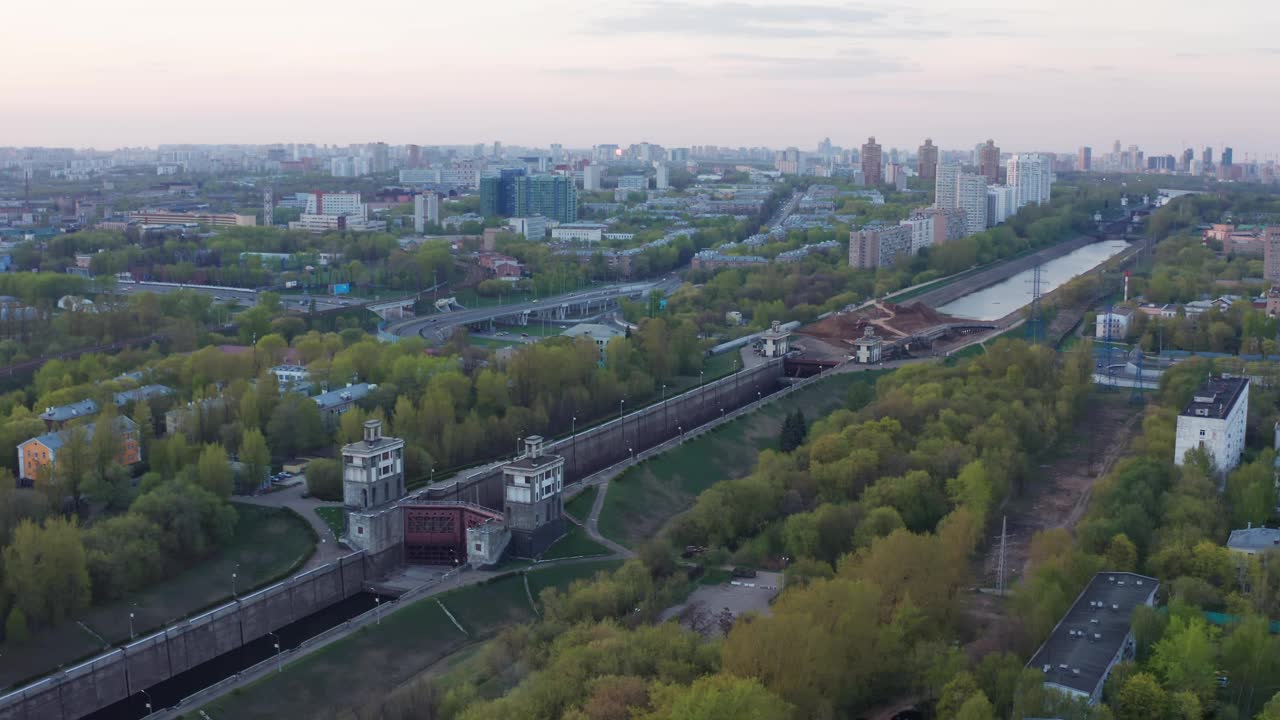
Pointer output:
x,y
120,673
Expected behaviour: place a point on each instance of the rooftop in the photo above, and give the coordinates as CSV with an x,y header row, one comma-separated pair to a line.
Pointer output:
x,y
1077,655
63,413
55,440
1216,397
1254,539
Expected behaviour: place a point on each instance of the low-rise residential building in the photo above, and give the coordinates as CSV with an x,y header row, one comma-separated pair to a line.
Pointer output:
x,y
595,332
714,260
1254,540
1214,421
1113,324
1095,635
579,232
41,452
289,376
335,402
56,417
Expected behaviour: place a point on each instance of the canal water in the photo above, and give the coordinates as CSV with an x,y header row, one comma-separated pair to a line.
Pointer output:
x,y
996,301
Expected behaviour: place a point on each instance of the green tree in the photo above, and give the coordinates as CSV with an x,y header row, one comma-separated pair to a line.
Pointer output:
x,y
717,697
214,473
1122,555
977,707
15,627
46,571
324,479
1141,698
254,456
1185,657
794,430
956,693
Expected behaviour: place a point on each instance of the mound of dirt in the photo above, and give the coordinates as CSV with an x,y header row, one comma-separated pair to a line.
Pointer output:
x,y
887,319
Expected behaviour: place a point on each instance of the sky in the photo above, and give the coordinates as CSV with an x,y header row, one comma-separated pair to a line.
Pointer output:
x,y
1033,75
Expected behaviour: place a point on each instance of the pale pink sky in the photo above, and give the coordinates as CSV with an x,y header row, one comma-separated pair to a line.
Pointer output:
x,y
1038,74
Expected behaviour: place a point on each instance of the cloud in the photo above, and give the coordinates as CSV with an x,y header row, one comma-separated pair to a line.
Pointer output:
x,y
849,64
733,18
635,72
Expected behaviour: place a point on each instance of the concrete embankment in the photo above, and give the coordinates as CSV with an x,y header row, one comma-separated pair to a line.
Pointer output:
x,y
986,278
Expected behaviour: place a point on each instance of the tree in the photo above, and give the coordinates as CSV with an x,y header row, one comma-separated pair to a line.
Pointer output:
x,y
214,473
794,430
1185,657
324,479
1122,555
192,521
46,571
956,693
718,697
1141,698
146,427
295,425
15,627
254,456
977,707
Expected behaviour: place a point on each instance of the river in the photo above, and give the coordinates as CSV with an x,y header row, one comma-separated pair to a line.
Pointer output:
x,y
996,301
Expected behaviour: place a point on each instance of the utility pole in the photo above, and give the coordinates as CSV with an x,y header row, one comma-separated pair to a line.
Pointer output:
x,y
1004,534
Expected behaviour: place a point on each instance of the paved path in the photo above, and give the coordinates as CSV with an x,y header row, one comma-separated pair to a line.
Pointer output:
x,y
327,550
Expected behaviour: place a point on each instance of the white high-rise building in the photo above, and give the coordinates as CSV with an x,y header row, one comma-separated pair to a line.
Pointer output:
x,y
947,177
663,179
1031,177
971,197
1001,204
922,230
591,177
426,209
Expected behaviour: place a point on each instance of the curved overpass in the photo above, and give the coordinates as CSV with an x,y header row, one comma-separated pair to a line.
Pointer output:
x,y
439,325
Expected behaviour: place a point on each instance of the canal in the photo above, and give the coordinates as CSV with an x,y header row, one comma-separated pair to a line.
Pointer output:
x,y
995,301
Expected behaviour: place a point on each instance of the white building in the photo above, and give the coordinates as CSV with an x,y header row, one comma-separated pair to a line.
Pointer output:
x,y
464,172
592,176
868,349
777,341
426,209
596,333
579,232
1001,204
532,228
922,230
1031,177
633,183
971,197
662,180
1113,325
349,166
339,203
1215,421
290,375
945,185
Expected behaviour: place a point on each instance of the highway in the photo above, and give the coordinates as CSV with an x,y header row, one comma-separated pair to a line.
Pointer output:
x,y
438,326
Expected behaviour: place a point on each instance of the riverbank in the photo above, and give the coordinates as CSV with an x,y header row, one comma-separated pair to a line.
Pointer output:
x,y
978,281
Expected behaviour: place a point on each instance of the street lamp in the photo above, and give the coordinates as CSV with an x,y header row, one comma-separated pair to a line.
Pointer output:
x,y
234,575
573,432
148,696
377,607
279,657
131,634
633,455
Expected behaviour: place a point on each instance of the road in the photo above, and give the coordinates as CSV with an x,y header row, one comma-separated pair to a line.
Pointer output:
x,y
439,326
327,549
785,211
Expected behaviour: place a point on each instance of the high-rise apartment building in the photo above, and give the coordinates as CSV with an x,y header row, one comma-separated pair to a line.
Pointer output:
x,y
552,196
662,176
592,176
871,163
1206,159
927,160
1084,161
1031,178
498,193
971,197
1227,158
334,203
426,209
1271,253
879,247
989,162
944,185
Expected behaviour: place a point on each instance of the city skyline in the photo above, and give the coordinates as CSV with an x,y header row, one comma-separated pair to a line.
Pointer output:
x,y
726,72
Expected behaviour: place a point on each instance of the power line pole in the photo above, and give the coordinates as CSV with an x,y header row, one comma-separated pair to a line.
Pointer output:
x,y
1004,528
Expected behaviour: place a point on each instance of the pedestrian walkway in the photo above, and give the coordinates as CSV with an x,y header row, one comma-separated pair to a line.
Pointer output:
x,y
292,498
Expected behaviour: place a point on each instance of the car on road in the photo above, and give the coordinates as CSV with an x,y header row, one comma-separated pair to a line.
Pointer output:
x,y
524,335
534,300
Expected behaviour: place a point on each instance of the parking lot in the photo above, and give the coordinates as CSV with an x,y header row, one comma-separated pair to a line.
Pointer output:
x,y
712,608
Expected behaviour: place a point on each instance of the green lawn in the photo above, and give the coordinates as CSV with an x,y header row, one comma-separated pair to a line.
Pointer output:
x,y
575,543
335,517
269,543
359,670
642,499
580,506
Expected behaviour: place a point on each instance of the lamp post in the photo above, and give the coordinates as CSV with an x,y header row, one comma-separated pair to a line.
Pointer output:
x,y
148,697
377,607
633,455
664,408
622,416
573,433
131,634
234,575
279,657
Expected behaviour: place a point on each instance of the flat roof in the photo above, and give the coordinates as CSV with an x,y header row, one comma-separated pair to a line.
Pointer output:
x,y
530,464
1079,652
1216,397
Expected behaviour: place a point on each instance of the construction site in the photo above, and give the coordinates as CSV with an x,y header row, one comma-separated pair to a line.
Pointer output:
x,y
909,330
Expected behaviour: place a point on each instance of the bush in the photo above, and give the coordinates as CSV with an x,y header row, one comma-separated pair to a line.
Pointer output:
x,y
324,479
15,628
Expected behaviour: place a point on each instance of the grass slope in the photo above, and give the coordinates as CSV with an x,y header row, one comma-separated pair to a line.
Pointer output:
x,y
642,499
575,543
